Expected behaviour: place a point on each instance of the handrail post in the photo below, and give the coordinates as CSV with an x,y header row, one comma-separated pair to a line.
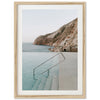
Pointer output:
x,y
62,55
34,74
48,73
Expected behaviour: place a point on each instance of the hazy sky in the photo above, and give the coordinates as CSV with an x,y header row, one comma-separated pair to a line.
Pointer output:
x,y
40,22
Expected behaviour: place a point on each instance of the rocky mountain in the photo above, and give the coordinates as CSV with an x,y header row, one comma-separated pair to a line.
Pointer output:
x,y
63,40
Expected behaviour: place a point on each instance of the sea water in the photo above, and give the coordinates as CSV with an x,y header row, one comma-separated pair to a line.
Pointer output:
x,y
29,47
33,56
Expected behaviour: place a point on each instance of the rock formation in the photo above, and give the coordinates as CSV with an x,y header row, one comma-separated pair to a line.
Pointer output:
x,y
63,40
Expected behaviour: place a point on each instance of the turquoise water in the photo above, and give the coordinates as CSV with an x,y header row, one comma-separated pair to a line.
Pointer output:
x,y
30,60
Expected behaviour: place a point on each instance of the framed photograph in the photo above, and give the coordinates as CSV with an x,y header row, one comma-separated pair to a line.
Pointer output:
x,y
49,49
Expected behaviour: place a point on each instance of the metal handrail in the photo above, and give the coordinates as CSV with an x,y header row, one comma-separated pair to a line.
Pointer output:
x,y
48,68
46,61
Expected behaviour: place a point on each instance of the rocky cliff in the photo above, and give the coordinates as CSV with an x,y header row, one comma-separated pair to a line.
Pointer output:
x,y
63,40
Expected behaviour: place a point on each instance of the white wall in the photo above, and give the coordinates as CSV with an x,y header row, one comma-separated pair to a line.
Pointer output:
x,y
7,52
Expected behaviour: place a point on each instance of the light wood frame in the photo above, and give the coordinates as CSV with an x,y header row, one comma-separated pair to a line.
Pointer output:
x,y
15,49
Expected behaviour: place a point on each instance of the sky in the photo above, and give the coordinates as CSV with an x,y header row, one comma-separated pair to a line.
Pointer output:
x,y
38,22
